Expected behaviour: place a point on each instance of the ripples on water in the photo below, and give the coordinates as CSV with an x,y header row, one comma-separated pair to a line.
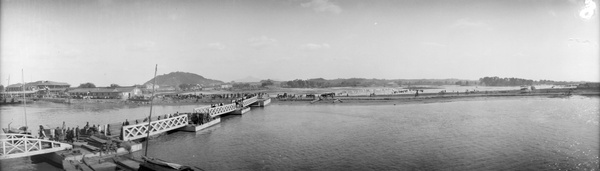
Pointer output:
x,y
498,134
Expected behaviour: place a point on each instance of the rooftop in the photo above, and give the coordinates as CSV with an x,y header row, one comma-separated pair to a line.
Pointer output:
x,y
101,90
40,83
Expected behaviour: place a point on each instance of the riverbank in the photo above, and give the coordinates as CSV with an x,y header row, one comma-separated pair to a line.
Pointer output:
x,y
401,98
430,98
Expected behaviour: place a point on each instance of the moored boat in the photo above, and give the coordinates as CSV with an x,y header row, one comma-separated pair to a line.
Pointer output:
x,y
199,127
154,164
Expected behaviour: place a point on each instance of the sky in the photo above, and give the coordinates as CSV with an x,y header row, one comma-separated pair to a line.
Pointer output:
x,y
105,42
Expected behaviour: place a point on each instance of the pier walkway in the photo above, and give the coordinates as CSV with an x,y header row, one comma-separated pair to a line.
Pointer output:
x,y
220,110
21,145
138,131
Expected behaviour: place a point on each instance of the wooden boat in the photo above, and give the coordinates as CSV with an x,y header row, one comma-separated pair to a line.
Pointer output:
x,y
20,130
154,164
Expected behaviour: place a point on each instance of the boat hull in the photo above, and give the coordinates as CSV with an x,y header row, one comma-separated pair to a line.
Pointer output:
x,y
196,128
262,103
241,111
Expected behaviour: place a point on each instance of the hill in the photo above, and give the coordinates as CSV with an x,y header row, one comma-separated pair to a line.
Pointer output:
x,y
176,78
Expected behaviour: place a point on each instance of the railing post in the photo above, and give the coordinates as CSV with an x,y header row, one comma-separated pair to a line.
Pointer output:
x,y
3,147
26,149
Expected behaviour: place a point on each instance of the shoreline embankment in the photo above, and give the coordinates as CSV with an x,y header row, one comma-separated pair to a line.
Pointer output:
x,y
409,98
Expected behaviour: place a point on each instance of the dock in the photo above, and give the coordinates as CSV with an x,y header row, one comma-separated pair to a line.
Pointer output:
x,y
101,150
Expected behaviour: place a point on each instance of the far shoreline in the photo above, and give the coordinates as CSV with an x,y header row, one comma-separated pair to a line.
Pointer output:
x,y
426,100
342,100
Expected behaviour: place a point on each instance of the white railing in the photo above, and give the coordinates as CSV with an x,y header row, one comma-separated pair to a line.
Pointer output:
x,y
216,111
19,145
12,136
219,110
203,109
249,101
133,132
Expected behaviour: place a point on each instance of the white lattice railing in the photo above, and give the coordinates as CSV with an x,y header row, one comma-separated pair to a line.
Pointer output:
x,y
133,132
249,101
19,145
203,109
216,111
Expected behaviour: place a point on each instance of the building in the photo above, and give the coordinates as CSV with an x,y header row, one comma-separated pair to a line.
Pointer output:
x,y
38,88
149,86
105,92
39,85
225,86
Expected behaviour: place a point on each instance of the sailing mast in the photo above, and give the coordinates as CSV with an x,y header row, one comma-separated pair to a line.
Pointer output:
x,y
150,116
7,84
24,100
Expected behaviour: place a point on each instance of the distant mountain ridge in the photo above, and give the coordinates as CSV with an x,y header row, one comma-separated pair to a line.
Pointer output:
x,y
177,78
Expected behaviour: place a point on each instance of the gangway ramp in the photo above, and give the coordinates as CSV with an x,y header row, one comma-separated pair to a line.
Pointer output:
x,y
249,101
228,108
133,132
22,145
216,111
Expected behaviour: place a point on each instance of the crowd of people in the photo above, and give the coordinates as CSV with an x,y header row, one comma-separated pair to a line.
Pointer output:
x,y
68,134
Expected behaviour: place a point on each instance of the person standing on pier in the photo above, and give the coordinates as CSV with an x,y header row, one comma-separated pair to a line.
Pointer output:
x,y
69,135
77,133
42,133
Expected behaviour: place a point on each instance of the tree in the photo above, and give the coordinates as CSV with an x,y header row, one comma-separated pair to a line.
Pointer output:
x,y
114,85
265,83
1,87
87,85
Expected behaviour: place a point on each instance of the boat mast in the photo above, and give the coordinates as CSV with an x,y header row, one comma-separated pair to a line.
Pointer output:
x,y
24,100
7,84
150,116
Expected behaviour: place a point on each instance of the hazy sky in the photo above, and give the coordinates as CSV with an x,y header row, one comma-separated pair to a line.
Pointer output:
x,y
119,42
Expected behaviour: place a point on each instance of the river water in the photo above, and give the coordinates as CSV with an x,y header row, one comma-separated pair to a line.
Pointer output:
x,y
531,133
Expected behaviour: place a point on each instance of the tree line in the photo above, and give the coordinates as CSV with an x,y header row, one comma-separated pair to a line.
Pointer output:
x,y
363,82
497,81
